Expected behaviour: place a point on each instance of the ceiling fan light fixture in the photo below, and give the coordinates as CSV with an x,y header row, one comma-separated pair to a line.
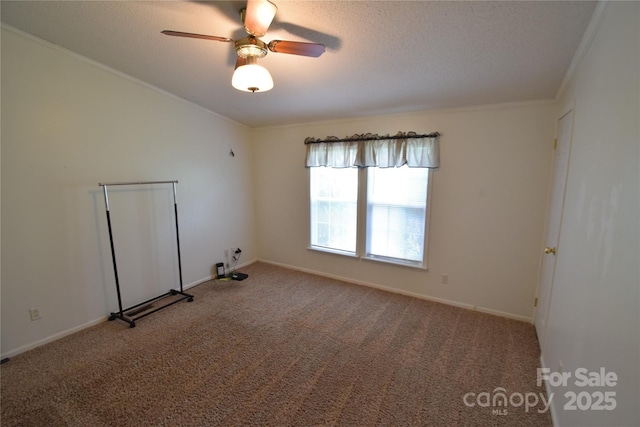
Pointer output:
x,y
252,77
256,17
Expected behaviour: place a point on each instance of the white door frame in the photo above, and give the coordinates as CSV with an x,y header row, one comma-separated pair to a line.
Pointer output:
x,y
549,254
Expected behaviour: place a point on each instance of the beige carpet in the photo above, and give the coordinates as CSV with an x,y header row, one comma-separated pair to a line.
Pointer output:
x,y
281,348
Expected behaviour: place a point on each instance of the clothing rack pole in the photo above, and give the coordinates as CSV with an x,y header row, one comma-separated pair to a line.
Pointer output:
x,y
113,251
175,209
128,314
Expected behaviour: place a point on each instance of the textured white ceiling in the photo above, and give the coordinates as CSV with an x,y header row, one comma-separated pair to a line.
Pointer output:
x,y
382,56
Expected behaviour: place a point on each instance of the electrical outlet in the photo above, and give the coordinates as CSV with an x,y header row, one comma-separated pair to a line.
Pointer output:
x,y
34,313
444,279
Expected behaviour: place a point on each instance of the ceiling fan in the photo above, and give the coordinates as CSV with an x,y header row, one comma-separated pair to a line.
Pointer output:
x,y
256,17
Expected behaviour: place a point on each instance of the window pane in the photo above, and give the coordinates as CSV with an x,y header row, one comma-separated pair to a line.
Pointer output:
x,y
334,198
396,212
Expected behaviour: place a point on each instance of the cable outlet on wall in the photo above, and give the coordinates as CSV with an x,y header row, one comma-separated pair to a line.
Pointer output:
x,y
444,279
34,313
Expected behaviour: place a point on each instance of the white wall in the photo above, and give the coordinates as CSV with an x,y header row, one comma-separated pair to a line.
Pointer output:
x,y
68,124
594,318
488,204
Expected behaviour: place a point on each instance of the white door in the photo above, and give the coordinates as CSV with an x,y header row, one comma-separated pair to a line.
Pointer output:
x,y
554,219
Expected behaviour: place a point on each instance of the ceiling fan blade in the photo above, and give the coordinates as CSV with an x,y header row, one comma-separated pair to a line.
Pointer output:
x,y
195,36
258,16
296,48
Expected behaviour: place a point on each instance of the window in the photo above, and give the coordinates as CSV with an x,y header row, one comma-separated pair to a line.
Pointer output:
x,y
334,208
390,224
396,213
369,195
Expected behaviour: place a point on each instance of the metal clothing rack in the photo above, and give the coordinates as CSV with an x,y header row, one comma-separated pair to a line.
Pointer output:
x,y
131,314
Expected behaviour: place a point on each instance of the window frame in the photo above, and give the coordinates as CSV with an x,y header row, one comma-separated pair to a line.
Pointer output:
x,y
361,226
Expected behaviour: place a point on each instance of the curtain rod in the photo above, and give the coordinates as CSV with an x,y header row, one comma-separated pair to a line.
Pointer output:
x,y
409,135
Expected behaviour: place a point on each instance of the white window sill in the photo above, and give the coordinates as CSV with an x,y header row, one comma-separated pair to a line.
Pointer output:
x,y
332,251
410,264
393,261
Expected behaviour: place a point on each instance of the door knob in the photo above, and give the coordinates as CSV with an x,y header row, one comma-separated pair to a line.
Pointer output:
x,y
549,250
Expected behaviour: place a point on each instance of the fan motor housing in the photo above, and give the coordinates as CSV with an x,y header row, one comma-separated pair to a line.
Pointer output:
x,y
251,47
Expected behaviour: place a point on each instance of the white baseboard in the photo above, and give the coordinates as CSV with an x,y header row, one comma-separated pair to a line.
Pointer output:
x,y
197,282
208,278
53,337
504,314
403,292
57,336
554,416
